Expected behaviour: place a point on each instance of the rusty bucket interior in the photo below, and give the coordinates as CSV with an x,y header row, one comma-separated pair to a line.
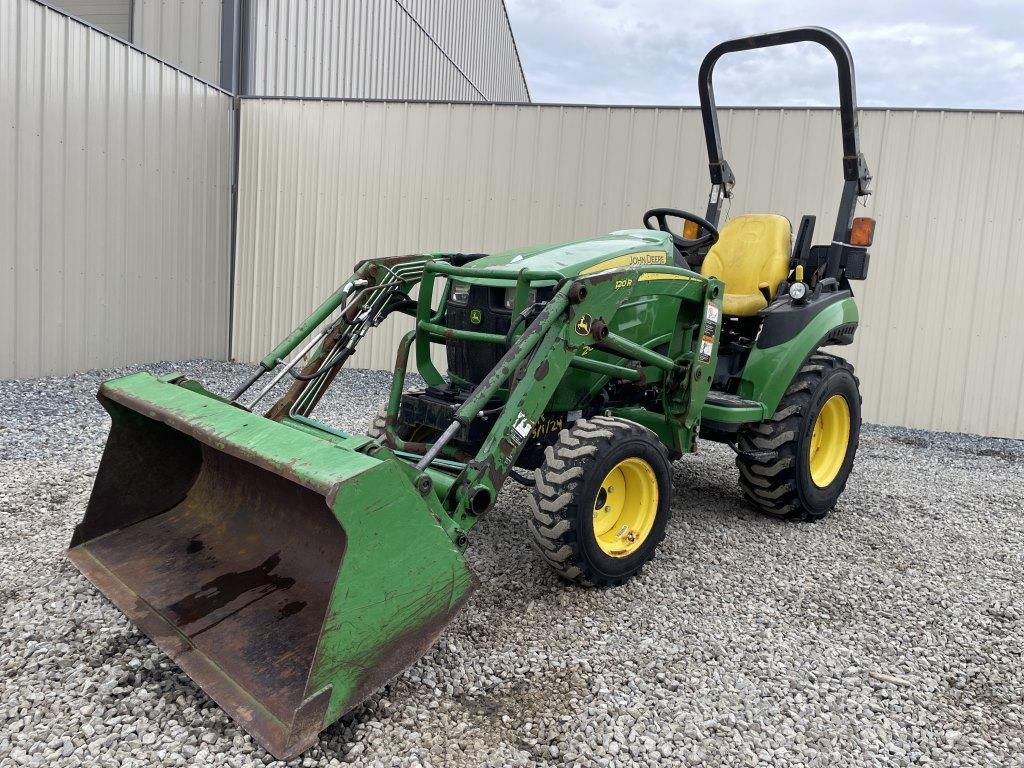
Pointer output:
x,y
287,573
226,565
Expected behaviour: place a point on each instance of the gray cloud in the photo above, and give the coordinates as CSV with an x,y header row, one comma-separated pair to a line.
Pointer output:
x,y
908,52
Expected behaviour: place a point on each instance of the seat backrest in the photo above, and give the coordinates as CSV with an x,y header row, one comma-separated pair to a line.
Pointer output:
x,y
751,251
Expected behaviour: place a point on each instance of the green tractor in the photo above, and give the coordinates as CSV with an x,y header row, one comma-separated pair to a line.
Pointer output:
x,y
291,568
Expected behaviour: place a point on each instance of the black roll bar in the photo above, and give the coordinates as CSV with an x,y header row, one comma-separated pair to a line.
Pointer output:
x,y
855,170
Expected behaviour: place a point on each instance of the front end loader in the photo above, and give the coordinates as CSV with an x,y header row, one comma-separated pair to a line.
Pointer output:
x,y
291,568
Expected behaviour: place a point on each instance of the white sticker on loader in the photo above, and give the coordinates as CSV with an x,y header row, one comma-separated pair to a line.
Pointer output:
x,y
522,426
706,347
712,313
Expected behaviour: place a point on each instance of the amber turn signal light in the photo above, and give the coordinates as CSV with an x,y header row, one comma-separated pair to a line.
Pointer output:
x,y
862,232
691,230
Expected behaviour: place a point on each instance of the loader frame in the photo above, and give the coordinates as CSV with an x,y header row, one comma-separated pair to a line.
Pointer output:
x,y
460,488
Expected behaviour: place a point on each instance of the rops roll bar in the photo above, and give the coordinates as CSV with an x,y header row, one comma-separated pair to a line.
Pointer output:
x,y
855,169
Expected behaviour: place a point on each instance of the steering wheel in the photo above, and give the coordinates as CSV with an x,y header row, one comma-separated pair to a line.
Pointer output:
x,y
709,238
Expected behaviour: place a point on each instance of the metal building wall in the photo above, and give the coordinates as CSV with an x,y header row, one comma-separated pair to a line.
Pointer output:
x,y
114,16
325,183
398,49
115,175
477,36
185,33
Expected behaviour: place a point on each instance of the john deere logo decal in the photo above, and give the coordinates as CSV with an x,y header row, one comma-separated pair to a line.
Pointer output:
x,y
583,325
476,316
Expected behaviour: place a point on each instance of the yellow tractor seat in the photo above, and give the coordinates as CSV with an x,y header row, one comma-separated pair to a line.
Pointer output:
x,y
752,251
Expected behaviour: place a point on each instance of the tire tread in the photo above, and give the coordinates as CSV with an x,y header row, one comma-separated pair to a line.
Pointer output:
x,y
770,482
554,498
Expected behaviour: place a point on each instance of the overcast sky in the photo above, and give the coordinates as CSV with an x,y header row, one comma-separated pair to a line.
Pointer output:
x,y
908,53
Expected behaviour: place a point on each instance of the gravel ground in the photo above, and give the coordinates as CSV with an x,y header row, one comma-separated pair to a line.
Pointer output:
x,y
889,634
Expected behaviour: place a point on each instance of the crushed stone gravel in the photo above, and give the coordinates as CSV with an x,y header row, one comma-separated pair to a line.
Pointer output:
x,y
891,633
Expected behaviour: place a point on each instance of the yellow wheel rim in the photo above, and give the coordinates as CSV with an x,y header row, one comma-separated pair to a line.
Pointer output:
x,y
829,441
625,507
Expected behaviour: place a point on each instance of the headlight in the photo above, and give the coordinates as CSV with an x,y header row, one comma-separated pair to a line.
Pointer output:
x,y
460,294
510,298
798,292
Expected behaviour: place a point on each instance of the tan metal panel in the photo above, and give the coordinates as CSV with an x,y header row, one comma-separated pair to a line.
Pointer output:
x,y
114,16
477,36
114,202
185,33
384,49
324,184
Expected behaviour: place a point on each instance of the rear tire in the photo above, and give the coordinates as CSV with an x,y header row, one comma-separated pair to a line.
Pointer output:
x,y
601,501
794,465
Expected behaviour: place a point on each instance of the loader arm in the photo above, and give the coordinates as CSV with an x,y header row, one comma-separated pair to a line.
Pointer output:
x,y
576,318
376,288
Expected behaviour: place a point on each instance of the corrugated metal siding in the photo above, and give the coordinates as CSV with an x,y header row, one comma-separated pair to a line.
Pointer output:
x,y
477,36
114,202
185,33
324,184
115,16
377,49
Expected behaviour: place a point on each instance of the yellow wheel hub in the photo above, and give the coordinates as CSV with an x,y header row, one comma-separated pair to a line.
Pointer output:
x,y
830,441
625,507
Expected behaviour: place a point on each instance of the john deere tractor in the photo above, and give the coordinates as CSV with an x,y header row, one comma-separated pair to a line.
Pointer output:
x,y
291,568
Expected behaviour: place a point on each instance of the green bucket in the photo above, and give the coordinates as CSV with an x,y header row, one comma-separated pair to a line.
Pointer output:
x,y
287,573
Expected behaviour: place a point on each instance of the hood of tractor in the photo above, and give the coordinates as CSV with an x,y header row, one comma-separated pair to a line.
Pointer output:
x,y
628,247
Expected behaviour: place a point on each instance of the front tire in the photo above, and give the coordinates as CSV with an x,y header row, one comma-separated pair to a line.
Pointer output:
x,y
796,464
377,429
601,501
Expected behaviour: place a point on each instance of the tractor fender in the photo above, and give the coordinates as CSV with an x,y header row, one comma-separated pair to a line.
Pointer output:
x,y
770,370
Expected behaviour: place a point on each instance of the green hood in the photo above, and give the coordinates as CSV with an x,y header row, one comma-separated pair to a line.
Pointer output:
x,y
618,249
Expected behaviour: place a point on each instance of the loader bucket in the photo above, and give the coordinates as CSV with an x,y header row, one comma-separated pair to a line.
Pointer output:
x,y
288,574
